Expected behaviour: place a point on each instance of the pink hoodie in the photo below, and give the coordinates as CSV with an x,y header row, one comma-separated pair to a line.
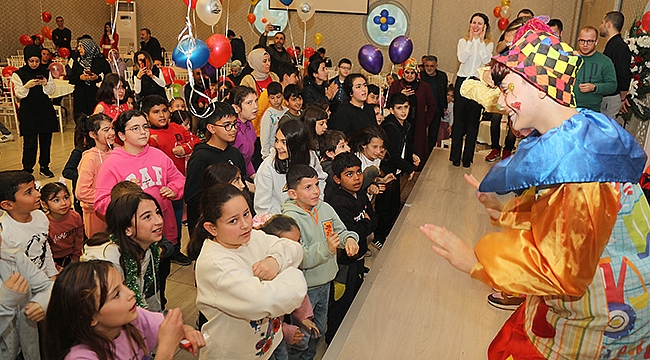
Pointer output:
x,y
153,170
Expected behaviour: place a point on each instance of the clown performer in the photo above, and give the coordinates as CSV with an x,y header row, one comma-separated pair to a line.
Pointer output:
x,y
574,239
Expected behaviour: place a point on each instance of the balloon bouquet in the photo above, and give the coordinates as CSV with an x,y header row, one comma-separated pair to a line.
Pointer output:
x,y
192,53
503,13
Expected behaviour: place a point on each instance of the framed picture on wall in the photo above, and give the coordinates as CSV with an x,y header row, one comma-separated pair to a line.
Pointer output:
x,y
333,6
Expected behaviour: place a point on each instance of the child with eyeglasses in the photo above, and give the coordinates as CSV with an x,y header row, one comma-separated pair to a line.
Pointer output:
x,y
220,129
147,166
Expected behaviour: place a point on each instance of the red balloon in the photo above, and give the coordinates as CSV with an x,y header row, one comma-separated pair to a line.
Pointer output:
x,y
180,82
251,18
110,2
56,69
645,21
25,39
168,74
497,11
64,52
503,23
47,32
292,52
193,3
47,16
40,37
8,70
220,50
309,52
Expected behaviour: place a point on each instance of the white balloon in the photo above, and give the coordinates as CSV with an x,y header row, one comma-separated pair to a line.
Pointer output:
x,y
209,11
306,11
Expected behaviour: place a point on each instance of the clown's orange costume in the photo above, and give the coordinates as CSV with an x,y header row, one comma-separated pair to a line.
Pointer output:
x,y
575,240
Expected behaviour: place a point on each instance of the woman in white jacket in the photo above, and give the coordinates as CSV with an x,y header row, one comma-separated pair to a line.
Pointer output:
x,y
246,280
292,146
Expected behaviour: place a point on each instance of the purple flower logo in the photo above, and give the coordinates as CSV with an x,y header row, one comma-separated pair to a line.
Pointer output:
x,y
384,20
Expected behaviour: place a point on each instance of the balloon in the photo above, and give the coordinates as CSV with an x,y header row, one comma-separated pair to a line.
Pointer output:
x,y
209,11
251,18
286,2
180,82
110,2
505,12
254,2
306,11
47,16
56,69
25,39
400,49
503,23
318,38
371,59
177,90
40,37
209,70
64,52
193,3
505,3
264,20
309,52
199,55
645,21
47,32
8,70
497,11
220,50
292,52
168,75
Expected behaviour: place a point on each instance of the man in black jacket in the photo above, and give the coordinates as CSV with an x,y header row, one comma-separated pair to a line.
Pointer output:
x,y
238,47
61,36
437,80
617,50
150,44
277,51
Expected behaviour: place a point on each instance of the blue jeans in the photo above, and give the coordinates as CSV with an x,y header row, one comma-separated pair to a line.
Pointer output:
x,y
305,349
280,352
178,214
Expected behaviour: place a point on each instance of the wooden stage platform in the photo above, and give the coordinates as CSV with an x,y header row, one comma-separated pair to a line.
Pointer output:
x,y
413,304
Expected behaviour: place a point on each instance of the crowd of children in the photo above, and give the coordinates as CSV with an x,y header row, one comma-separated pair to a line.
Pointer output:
x,y
139,173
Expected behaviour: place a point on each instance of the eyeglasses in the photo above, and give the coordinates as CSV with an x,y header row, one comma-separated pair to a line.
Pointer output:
x,y
586,42
348,68
138,129
228,126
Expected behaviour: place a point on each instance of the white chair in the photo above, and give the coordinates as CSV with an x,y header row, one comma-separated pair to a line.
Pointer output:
x,y
59,115
167,59
8,106
128,74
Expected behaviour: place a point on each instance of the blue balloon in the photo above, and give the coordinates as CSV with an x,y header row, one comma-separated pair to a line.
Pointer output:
x,y
400,49
286,2
199,55
209,70
371,59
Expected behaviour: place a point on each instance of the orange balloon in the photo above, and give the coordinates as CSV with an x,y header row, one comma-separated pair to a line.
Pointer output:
x,y
251,18
264,20
110,2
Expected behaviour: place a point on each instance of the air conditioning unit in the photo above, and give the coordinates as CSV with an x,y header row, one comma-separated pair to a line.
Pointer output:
x,y
127,26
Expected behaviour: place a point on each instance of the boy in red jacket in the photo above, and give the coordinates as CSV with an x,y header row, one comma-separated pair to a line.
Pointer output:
x,y
177,143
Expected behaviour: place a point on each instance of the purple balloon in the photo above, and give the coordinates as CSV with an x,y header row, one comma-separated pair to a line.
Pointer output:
x,y
400,49
371,59
209,70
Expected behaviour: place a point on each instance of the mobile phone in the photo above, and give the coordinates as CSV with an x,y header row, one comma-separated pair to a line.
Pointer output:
x,y
40,77
276,27
87,72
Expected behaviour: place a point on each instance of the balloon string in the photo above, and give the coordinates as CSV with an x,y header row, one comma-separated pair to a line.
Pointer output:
x,y
304,43
293,44
392,67
114,21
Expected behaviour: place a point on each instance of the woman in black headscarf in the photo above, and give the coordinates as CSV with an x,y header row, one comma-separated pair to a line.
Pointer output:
x,y
88,69
33,85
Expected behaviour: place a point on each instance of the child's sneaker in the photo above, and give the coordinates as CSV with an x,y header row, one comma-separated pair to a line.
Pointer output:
x,y
5,138
493,156
504,301
45,171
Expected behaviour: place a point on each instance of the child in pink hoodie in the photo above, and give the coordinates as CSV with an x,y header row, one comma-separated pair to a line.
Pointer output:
x,y
98,134
147,166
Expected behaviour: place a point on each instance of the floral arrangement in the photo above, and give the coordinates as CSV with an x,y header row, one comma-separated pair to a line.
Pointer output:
x,y
639,44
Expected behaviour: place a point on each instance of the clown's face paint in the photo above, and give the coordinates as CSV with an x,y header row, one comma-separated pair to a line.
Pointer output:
x,y
514,95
